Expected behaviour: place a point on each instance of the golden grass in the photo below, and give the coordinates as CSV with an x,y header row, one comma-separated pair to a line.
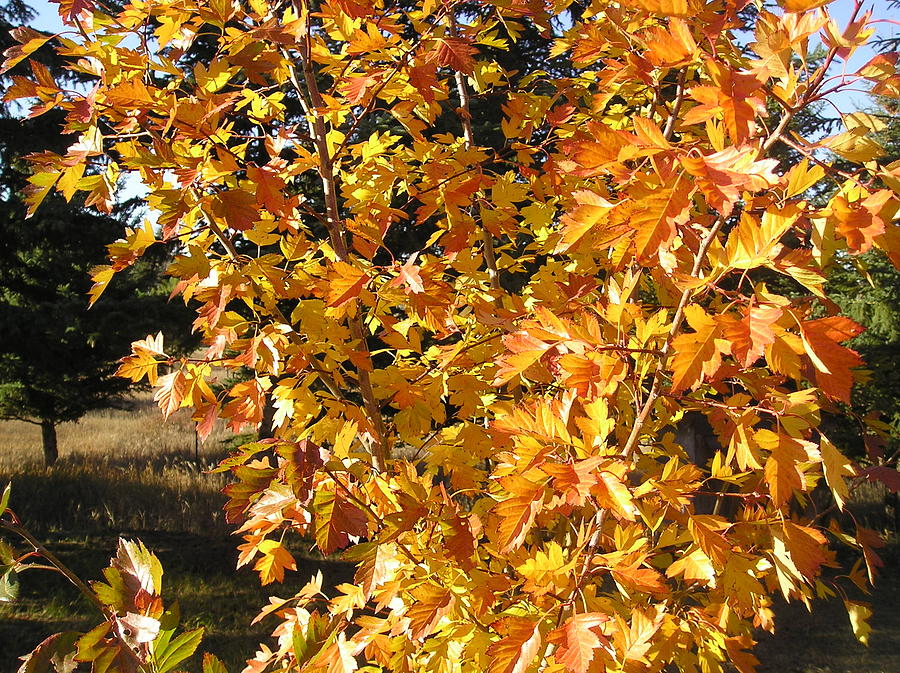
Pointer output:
x,y
119,470
138,431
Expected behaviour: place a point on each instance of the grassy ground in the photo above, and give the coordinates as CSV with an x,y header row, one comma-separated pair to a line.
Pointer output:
x,y
130,474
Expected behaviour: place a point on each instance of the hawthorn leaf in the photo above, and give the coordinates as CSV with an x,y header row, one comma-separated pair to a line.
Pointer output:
x,y
696,356
859,614
337,520
578,640
432,604
274,561
518,646
836,467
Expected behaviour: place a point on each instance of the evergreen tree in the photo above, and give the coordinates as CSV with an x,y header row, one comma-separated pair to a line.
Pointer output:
x,y
57,358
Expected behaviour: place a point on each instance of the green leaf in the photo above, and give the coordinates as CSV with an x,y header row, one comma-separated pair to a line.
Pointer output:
x,y
177,650
167,625
310,641
7,555
211,664
9,584
91,645
112,593
4,499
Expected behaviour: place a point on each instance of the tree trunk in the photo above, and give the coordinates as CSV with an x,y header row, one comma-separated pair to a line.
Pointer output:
x,y
266,431
48,439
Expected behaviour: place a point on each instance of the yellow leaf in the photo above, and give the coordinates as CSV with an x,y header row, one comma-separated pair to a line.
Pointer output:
x,y
274,561
345,282
697,355
29,41
859,614
836,467
801,177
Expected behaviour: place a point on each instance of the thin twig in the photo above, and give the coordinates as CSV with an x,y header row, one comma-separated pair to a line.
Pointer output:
x,y
465,116
58,565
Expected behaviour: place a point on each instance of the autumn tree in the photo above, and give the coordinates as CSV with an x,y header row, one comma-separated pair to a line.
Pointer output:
x,y
487,424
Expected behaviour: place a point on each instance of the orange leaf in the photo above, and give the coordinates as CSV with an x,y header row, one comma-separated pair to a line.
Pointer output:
x,y
782,472
574,480
345,282
696,355
655,216
337,520
517,513
860,222
515,651
722,176
806,547
646,580
613,495
750,335
524,351
670,45
432,604
578,639
29,41
833,363
592,212
237,208
456,53
802,5
664,7
274,561
268,186
709,533
738,655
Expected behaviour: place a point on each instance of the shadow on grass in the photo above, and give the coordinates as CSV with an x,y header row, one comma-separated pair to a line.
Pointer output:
x,y
170,492
822,641
198,572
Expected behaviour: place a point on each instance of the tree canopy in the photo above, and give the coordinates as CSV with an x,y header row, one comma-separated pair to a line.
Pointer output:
x,y
482,346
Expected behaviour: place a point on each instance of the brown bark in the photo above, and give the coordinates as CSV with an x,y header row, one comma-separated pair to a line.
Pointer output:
x,y
48,442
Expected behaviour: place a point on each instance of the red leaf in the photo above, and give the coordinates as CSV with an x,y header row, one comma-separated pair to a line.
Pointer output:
x,y
456,53
336,521
69,10
888,476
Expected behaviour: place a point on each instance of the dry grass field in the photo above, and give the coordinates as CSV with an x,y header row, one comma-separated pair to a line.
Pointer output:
x,y
129,473
119,470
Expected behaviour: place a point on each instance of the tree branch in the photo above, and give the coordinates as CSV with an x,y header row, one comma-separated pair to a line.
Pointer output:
x,y
465,116
380,452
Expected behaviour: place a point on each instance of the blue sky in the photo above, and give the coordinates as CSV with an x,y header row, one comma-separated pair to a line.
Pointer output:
x,y
48,19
